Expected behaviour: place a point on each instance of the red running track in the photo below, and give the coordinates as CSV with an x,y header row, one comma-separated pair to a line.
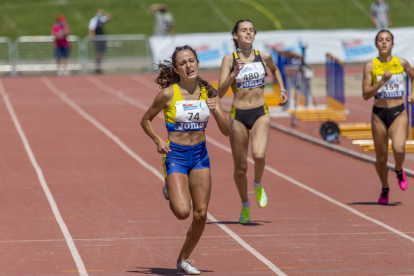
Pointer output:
x,y
322,217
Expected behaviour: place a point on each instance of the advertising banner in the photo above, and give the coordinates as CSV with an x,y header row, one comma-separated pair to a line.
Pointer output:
x,y
348,45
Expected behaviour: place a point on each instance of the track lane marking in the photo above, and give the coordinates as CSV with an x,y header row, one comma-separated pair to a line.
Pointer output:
x,y
65,231
135,156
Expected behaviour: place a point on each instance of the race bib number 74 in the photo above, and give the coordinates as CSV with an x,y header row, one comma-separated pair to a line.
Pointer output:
x,y
191,115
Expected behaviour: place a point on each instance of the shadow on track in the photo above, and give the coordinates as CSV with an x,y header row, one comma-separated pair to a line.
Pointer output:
x,y
252,223
159,271
376,203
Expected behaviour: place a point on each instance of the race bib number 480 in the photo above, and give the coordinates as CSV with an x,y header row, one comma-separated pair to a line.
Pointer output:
x,y
252,75
191,115
393,88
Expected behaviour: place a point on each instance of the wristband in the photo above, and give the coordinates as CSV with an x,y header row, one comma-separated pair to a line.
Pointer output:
x,y
283,90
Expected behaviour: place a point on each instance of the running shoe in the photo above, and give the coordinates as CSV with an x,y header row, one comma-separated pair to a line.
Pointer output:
x,y
261,198
165,193
187,267
402,180
384,196
245,215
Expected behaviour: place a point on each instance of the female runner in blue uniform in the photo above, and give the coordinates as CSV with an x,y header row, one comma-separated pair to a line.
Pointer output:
x,y
187,101
245,71
384,80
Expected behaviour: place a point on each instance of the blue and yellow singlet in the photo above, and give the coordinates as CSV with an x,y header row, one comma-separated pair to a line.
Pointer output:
x,y
182,115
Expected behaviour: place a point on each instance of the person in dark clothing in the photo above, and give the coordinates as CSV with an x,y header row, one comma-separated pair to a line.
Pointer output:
x,y
96,33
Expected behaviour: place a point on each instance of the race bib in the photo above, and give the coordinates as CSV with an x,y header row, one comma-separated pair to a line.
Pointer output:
x,y
252,75
393,88
191,115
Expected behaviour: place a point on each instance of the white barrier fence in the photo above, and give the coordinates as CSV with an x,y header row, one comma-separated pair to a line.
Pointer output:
x,y
121,52
36,53
31,54
6,60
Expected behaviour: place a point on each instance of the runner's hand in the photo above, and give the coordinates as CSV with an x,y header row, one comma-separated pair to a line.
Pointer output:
x,y
211,103
162,147
387,75
237,68
284,96
411,98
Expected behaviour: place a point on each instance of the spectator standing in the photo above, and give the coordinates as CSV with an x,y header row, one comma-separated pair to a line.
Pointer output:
x,y
163,20
60,31
380,15
96,33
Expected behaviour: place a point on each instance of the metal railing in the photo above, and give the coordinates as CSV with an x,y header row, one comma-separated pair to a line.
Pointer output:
x,y
6,59
120,52
36,53
31,54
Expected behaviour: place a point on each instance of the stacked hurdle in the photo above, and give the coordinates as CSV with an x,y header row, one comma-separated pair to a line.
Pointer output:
x,y
368,145
288,64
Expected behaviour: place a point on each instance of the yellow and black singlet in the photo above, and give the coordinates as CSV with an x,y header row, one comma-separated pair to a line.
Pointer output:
x,y
394,87
182,115
252,75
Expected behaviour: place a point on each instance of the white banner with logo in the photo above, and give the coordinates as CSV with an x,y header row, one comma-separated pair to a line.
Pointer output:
x,y
349,45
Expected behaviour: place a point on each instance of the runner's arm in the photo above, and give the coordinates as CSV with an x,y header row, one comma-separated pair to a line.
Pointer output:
x,y
267,58
410,73
369,90
219,116
227,78
160,102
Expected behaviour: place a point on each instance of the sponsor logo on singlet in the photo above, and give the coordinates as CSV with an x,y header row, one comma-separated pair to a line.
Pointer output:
x,y
190,126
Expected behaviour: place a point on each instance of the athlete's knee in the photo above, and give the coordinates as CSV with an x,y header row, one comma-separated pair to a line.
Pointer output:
x,y
181,213
240,171
259,157
200,215
381,160
400,149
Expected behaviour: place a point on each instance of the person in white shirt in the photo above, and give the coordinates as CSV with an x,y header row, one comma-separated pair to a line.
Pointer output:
x,y
163,20
96,33
380,15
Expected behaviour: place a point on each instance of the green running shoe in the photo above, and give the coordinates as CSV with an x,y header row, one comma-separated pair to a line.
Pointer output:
x,y
245,215
261,198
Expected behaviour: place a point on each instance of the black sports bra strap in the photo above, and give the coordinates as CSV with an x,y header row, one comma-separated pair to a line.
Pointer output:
x,y
235,57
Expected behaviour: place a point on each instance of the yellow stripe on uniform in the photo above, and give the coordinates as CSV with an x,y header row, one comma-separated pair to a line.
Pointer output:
x,y
163,161
236,56
266,109
233,112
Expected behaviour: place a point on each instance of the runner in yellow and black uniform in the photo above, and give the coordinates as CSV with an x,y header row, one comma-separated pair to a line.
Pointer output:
x,y
245,72
384,80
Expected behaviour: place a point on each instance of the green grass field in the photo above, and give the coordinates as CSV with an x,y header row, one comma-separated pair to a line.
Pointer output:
x,y
35,17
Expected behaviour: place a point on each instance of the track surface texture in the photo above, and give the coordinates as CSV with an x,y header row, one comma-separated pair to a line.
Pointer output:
x,y
94,205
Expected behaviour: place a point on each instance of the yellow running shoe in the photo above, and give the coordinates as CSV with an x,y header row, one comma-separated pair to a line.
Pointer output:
x,y
261,198
245,215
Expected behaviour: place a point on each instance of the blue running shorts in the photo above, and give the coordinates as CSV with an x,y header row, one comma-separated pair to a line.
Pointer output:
x,y
183,159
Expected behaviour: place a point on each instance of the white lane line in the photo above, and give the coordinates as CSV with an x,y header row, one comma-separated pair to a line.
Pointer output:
x,y
135,156
220,14
303,186
212,237
49,196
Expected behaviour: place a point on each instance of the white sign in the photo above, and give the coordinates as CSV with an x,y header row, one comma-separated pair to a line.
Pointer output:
x,y
348,45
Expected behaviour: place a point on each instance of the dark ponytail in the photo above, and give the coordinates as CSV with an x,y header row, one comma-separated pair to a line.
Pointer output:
x,y
236,29
168,76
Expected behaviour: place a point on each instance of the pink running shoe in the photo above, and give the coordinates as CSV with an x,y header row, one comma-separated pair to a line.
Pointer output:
x,y
384,196
402,180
